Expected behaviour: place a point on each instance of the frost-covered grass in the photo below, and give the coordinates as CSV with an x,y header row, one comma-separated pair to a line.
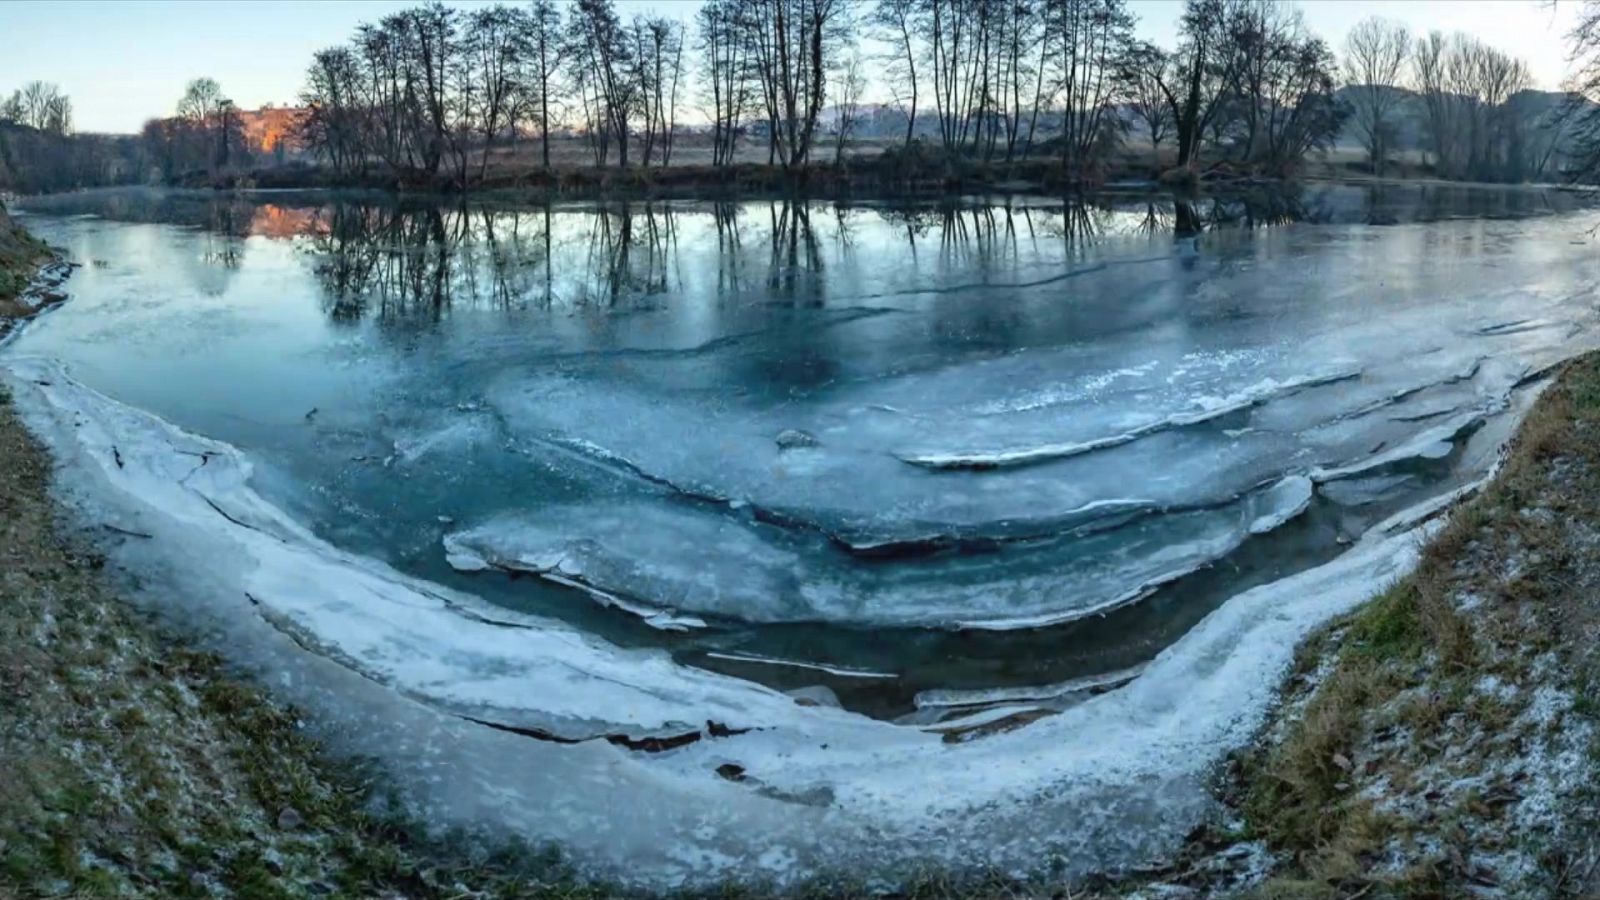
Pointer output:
x,y
1442,740
20,252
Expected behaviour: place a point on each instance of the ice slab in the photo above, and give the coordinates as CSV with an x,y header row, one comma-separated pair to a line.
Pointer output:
x,y
660,558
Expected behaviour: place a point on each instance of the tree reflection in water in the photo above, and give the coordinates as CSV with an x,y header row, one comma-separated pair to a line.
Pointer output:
x,y
417,261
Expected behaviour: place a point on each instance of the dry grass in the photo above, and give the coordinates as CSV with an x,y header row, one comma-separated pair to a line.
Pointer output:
x,y
20,253
1404,771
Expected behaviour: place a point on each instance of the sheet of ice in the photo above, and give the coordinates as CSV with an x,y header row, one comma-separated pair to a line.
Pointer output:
x,y
1114,781
666,555
948,698
420,639
1118,405
1201,409
1049,439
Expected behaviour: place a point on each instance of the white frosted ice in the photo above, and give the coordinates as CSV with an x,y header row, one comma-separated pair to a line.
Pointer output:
x,y
1201,409
1116,780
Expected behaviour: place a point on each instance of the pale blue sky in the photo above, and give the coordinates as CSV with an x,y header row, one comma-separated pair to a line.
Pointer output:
x,y
124,61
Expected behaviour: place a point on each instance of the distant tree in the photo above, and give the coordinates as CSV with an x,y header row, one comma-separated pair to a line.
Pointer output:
x,y
540,65
1375,55
335,114
209,117
851,84
1194,81
602,56
1281,79
496,40
1473,128
39,105
201,102
1146,66
658,68
1093,39
794,43
1582,108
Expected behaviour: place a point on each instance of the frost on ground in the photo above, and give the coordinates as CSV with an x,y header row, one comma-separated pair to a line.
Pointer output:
x,y
1442,740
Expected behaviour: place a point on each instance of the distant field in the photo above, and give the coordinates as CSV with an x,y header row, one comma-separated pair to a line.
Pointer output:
x,y
688,150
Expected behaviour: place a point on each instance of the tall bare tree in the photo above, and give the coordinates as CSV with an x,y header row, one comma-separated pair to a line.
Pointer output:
x,y
494,45
1146,66
850,85
1194,82
894,23
1093,39
724,51
40,105
600,50
1467,88
793,43
1375,54
537,65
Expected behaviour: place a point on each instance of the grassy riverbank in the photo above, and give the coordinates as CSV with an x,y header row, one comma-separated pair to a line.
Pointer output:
x,y
20,256
1440,742
135,767
1443,741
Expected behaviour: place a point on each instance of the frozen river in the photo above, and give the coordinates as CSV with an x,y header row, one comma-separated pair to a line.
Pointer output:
x,y
957,468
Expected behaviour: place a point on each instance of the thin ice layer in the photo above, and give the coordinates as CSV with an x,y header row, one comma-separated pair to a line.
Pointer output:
x,y
694,558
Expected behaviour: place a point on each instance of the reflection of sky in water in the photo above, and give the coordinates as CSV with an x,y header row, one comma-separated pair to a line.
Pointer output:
x,y
403,371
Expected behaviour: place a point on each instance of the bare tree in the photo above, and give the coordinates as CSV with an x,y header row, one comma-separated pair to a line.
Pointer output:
x,y
494,45
334,115
1582,108
793,43
1466,88
657,67
600,50
207,113
1146,67
724,47
1375,54
1193,83
894,22
536,81
1093,39
849,88
40,105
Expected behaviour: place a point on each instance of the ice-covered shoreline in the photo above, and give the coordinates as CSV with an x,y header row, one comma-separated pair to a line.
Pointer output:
x,y
1115,781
